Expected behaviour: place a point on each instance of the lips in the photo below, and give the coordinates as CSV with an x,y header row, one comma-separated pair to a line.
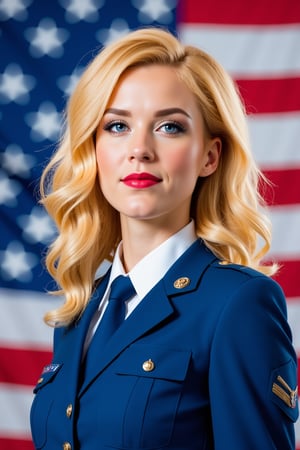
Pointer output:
x,y
141,180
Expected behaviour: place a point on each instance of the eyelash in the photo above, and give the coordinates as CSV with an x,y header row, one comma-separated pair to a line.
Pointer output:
x,y
174,124
179,127
108,126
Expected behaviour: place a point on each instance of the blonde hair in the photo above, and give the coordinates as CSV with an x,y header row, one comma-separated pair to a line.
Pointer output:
x,y
225,205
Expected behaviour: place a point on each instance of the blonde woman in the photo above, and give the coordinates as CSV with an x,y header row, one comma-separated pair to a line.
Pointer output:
x,y
154,173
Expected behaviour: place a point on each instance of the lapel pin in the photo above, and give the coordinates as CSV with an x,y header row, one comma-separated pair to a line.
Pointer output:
x,y
181,283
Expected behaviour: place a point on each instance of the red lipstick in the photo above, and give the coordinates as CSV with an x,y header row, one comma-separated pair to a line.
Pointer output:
x,y
141,180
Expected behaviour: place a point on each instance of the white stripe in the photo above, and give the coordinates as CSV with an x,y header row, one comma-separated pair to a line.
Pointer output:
x,y
248,51
275,139
21,319
294,320
286,237
15,403
297,432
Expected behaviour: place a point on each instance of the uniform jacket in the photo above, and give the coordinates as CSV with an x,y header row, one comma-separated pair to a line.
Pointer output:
x,y
205,362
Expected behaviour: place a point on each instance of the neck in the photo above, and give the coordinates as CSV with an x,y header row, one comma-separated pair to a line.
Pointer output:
x,y
141,237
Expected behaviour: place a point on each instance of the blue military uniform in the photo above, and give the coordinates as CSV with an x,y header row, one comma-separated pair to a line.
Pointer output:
x,y
204,362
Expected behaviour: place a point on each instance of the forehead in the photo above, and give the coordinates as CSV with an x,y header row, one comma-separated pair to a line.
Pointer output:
x,y
159,83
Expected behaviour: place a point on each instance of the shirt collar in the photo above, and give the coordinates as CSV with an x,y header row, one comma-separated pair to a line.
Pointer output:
x,y
155,264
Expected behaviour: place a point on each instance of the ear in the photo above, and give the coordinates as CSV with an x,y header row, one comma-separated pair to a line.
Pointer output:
x,y
213,152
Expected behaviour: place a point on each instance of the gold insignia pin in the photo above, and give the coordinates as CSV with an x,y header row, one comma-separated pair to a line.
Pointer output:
x,y
285,392
181,283
40,380
148,365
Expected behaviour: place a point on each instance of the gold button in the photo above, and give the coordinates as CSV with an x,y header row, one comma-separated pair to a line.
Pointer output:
x,y
69,410
67,446
148,366
182,282
40,380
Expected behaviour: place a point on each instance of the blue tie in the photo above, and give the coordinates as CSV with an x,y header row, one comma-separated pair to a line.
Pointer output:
x,y
121,290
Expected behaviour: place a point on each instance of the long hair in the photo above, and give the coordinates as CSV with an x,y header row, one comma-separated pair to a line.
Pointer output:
x,y
226,206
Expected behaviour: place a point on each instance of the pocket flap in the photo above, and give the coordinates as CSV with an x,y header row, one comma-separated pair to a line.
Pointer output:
x,y
47,375
154,362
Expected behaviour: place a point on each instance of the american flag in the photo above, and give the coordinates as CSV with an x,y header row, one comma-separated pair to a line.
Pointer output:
x,y
44,48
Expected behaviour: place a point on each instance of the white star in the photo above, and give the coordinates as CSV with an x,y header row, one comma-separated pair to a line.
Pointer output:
x,y
14,9
16,264
14,85
68,83
46,39
45,123
155,10
16,162
77,10
37,227
119,28
9,190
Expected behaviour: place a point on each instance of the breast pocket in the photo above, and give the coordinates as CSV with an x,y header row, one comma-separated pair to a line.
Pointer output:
x,y
42,404
153,402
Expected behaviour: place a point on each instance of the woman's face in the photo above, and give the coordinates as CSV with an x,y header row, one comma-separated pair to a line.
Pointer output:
x,y
151,147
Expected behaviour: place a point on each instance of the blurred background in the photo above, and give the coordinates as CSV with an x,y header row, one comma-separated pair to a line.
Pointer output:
x,y
44,47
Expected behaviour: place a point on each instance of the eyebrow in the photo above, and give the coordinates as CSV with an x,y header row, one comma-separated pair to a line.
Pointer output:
x,y
160,113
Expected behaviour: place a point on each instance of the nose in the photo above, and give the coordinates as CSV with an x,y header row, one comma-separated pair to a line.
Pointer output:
x,y
141,147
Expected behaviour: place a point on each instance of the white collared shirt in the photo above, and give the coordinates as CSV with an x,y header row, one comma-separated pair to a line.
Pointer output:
x,y
146,273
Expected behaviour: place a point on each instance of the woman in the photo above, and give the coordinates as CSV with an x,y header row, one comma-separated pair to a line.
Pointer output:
x,y
155,173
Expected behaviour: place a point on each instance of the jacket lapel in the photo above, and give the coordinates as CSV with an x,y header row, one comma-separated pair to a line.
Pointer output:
x,y
156,306
69,341
141,320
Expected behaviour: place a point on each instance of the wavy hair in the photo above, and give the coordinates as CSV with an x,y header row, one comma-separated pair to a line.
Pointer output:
x,y
226,206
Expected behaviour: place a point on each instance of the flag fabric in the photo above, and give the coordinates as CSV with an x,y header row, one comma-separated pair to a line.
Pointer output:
x,y
44,48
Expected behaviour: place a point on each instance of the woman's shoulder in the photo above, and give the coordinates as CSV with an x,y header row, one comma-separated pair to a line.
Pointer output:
x,y
230,278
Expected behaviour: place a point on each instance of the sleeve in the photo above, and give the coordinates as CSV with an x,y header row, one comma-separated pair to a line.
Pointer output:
x,y
253,377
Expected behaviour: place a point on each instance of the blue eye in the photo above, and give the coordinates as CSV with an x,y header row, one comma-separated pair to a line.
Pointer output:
x,y
172,128
116,127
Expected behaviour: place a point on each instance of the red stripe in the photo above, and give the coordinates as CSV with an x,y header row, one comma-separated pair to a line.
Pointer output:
x,y
288,277
247,12
15,444
270,95
22,366
285,187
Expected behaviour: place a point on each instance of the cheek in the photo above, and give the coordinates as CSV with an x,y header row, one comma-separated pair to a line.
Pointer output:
x,y
104,172
185,161
105,161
